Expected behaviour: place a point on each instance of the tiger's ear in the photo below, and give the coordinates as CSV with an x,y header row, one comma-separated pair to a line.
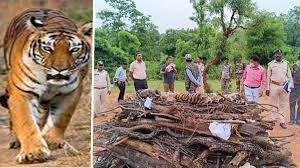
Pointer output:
x,y
35,23
86,30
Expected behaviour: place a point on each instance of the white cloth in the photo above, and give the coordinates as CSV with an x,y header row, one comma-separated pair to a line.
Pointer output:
x,y
170,67
222,130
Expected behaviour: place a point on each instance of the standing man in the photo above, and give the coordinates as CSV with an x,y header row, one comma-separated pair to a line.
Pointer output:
x,y
192,75
225,76
120,79
138,72
102,87
278,73
254,79
168,71
199,62
295,95
239,70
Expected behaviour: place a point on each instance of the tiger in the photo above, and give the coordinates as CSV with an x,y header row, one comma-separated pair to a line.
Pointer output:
x,y
47,57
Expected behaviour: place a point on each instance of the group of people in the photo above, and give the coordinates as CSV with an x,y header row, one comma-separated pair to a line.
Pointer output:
x,y
278,82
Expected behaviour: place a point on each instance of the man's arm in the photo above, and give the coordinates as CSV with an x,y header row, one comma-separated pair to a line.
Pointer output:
x,y
268,77
108,82
131,71
191,77
221,72
290,77
263,80
230,72
162,70
117,75
244,76
199,76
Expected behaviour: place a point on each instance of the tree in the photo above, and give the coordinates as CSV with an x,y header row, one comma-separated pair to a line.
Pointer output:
x,y
169,39
265,33
104,51
292,26
125,16
129,43
239,11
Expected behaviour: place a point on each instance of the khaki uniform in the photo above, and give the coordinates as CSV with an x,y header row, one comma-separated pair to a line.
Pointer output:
x,y
277,74
225,78
239,74
101,87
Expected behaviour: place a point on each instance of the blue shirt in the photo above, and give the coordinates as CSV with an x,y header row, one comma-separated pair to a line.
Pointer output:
x,y
191,76
121,74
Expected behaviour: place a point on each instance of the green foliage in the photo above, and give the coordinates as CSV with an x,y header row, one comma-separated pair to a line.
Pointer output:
x,y
79,14
265,34
129,43
184,47
230,27
292,26
112,56
169,39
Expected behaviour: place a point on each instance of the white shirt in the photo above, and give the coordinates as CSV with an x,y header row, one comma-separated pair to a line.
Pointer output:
x,y
101,80
121,74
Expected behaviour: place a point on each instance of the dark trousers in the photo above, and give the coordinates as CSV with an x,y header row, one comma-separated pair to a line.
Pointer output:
x,y
121,87
295,99
140,84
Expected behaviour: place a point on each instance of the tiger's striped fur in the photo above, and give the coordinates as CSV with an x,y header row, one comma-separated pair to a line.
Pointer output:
x,y
47,57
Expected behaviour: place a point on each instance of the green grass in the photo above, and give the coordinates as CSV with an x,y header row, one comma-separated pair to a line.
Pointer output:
x,y
179,86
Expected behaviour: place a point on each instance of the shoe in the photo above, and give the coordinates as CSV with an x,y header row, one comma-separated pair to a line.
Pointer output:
x,y
282,125
292,122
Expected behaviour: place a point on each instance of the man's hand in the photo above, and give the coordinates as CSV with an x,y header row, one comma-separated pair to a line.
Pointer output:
x,y
242,89
260,93
109,92
119,83
268,92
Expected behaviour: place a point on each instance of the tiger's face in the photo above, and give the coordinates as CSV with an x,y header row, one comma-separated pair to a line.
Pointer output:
x,y
61,55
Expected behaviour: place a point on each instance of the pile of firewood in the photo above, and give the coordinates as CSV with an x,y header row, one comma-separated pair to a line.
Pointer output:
x,y
175,132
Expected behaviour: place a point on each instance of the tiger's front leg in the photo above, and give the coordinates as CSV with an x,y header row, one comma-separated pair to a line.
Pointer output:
x,y
61,111
23,109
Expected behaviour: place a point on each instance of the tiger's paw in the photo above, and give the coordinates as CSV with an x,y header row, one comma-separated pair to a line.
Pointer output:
x,y
34,156
54,140
14,144
55,144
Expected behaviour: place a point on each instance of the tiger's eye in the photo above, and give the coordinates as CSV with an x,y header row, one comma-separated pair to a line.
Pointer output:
x,y
73,50
46,48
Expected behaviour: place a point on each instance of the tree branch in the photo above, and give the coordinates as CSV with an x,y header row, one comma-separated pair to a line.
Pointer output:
x,y
222,20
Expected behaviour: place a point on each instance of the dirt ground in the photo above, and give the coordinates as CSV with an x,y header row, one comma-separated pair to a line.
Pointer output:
x,y
78,135
294,144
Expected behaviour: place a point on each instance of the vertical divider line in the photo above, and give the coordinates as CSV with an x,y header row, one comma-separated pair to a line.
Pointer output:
x,y
92,90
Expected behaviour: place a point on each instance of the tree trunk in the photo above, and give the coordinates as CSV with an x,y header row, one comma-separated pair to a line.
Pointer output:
x,y
213,62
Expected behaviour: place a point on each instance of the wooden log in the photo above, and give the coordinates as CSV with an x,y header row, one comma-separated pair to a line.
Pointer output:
x,y
143,147
201,159
238,158
250,129
136,159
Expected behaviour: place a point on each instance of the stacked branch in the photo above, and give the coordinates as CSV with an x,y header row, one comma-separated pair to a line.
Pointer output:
x,y
175,133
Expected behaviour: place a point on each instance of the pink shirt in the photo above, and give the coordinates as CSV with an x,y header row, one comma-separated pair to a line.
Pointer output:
x,y
254,77
138,69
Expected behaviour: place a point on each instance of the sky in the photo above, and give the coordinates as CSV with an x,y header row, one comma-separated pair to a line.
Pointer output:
x,y
175,14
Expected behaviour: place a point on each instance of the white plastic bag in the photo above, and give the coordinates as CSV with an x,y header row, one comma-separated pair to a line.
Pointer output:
x,y
148,103
222,130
